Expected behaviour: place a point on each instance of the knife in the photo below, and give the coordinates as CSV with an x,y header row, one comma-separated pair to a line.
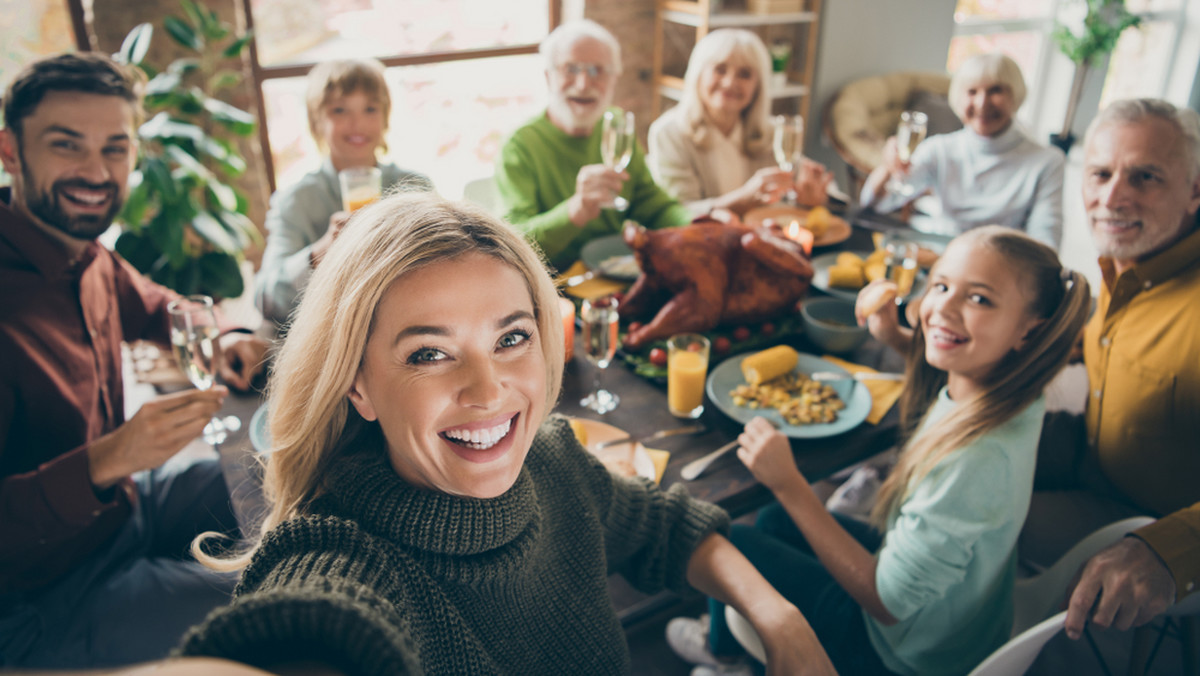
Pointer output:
x,y
825,376
689,429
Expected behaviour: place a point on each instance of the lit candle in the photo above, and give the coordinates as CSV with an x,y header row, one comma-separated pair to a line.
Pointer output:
x,y
801,235
567,309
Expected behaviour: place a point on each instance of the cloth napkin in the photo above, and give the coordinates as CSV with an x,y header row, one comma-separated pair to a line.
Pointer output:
x,y
660,459
595,287
884,393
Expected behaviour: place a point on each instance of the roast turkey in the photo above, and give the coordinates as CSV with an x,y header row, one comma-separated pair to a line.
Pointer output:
x,y
708,273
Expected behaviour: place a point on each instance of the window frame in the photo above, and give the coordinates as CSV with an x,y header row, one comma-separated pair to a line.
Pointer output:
x,y
260,73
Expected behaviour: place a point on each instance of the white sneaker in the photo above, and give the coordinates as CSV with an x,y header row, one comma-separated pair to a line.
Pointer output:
x,y
856,496
737,668
688,637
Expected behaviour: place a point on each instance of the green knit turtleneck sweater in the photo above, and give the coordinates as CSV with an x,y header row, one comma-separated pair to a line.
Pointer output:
x,y
385,578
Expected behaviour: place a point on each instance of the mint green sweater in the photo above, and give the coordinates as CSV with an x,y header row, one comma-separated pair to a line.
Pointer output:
x,y
535,174
385,578
947,564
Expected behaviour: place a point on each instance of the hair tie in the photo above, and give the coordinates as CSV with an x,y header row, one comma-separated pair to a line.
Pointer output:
x,y
1068,277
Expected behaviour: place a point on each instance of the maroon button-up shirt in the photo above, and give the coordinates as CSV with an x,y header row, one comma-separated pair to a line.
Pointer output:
x,y
61,327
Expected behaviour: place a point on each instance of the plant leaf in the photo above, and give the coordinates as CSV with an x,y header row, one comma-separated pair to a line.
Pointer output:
x,y
138,250
134,209
224,79
220,275
161,126
158,178
214,232
182,33
231,117
222,194
234,49
164,83
183,65
137,42
193,12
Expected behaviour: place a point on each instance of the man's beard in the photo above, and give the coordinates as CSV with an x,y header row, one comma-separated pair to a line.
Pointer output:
x,y
47,208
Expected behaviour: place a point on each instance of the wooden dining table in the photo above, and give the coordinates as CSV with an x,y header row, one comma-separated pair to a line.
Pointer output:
x,y
642,410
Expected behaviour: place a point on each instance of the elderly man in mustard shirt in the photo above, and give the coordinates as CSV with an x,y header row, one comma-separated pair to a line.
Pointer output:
x,y
1141,190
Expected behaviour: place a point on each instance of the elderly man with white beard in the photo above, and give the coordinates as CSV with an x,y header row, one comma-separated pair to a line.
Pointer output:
x,y
549,173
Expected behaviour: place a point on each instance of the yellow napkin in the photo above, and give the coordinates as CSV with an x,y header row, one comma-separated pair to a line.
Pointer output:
x,y
660,459
884,393
592,288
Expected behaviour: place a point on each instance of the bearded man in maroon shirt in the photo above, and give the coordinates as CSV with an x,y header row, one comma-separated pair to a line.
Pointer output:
x,y
94,569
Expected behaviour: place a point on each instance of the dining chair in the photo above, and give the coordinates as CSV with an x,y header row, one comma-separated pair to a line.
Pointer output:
x,y
1034,599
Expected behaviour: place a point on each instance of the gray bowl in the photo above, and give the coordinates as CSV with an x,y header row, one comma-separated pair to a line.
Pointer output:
x,y
829,324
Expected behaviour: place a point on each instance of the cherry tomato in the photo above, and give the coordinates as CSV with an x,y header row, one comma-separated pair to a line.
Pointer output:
x,y
767,328
741,333
721,345
658,356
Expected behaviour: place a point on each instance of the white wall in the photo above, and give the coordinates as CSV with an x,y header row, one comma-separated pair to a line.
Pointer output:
x,y
860,38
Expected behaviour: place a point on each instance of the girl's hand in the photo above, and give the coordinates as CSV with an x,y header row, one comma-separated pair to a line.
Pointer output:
x,y
768,455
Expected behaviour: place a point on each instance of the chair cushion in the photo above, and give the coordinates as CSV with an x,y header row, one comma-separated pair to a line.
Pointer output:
x,y
865,112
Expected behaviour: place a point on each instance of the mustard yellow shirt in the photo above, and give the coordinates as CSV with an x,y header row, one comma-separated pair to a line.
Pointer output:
x,y
1142,352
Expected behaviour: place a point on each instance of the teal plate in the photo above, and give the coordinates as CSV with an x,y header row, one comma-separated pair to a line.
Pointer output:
x,y
728,375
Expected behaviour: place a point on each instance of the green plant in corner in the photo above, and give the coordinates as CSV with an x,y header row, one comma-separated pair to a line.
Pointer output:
x,y
185,226
1084,30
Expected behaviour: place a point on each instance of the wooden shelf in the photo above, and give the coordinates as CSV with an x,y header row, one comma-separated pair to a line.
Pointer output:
x,y
703,17
737,19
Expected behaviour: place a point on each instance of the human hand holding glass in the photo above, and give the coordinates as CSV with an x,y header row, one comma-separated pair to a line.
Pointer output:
x,y
909,134
788,145
617,134
599,321
195,341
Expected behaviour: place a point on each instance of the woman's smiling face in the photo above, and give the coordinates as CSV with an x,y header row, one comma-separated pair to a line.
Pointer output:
x,y
455,374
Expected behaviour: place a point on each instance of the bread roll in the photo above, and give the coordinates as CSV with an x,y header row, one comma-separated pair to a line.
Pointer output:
x,y
846,276
874,298
850,259
875,271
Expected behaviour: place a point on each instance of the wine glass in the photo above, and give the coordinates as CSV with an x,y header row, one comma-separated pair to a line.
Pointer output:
x,y
616,146
788,145
909,134
599,321
194,339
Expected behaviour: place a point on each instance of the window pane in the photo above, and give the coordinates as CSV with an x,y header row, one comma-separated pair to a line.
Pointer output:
x,y
303,31
448,119
1136,6
31,29
1138,66
1022,47
968,10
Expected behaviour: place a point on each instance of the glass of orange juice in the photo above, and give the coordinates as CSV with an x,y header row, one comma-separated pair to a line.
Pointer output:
x,y
360,186
687,365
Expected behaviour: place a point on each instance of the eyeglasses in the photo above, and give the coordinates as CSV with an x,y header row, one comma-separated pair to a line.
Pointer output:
x,y
592,70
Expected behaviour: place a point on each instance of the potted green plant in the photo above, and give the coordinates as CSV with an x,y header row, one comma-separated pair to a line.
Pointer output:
x,y
185,225
1084,30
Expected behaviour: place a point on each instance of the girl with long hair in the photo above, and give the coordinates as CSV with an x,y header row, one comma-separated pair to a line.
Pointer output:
x,y
926,587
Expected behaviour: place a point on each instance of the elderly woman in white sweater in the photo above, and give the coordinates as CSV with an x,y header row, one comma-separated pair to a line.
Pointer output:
x,y
988,172
713,150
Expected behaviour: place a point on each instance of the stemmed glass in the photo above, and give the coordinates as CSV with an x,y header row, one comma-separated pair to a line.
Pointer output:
x,y
599,321
909,134
194,338
788,145
616,146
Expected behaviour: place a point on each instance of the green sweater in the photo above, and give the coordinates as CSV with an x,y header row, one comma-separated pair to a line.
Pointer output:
x,y
385,578
535,174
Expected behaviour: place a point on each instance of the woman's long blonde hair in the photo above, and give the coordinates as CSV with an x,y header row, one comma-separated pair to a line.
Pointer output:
x,y
311,420
1060,297
713,48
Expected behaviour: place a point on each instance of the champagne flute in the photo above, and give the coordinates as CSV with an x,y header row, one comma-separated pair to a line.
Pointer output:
x,y
788,144
616,146
909,134
599,320
194,339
